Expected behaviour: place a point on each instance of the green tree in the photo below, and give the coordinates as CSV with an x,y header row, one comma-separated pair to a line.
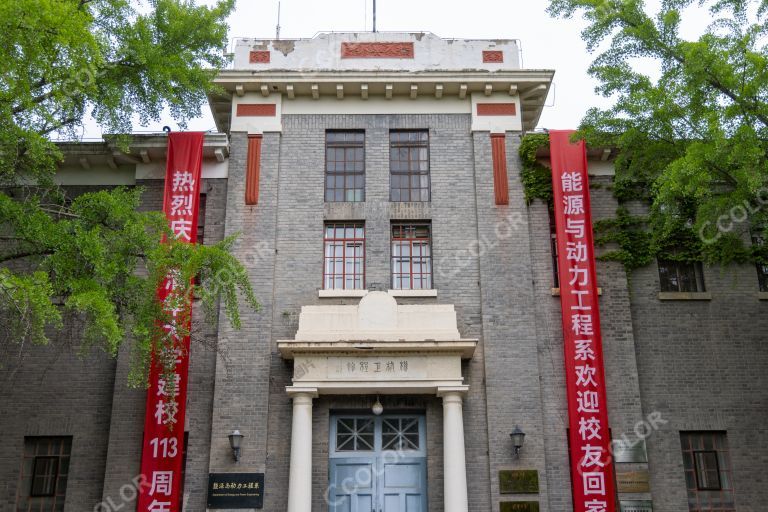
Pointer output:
x,y
95,258
693,133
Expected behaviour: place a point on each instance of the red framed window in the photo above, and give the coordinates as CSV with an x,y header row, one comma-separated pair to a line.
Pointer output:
x,y
44,472
411,257
708,475
344,166
409,165
344,256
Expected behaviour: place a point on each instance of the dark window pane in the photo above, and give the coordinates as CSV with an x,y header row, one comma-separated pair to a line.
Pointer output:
x,y
680,276
707,471
409,161
345,159
44,476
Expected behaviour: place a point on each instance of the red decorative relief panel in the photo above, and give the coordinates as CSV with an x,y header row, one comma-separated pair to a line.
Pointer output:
x,y
376,50
499,155
252,170
493,56
259,57
496,109
256,109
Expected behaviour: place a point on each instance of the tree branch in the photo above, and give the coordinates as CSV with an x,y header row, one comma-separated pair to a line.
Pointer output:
x,y
658,45
22,255
62,124
36,101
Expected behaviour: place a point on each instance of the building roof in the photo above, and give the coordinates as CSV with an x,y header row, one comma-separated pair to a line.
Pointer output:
x,y
413,65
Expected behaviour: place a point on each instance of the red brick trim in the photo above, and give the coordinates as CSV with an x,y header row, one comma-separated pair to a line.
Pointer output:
x,y
256,109
493,56
376,50
259,57
499,154
496,109
252,170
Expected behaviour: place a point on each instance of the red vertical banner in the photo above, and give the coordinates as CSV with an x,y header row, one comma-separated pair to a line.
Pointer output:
x,y
161,459
589,437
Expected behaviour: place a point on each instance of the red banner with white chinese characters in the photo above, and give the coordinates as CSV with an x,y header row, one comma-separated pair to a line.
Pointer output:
x,y
161,459
589,438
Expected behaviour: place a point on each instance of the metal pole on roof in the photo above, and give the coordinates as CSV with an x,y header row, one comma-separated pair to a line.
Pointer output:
x,y
277,28
374,15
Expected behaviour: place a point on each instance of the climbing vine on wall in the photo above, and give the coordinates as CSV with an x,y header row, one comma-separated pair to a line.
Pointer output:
x,y
637,240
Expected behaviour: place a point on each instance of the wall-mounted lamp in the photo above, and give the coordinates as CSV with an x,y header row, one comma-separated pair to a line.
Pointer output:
x,y
518,437
235,438
377,408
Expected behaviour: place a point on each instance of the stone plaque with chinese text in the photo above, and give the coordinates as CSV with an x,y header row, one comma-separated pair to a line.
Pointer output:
x,y
633,481
524,481
377,367
235,490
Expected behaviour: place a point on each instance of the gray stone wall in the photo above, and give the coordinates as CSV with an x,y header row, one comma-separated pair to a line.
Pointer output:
x,y
700,365
50,391
127,419
290,217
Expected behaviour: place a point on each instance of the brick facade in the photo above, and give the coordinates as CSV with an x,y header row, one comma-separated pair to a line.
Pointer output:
x,y
698,365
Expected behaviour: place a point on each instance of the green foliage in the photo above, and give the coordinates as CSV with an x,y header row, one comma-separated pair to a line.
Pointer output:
x,y
95,258
103,260
693,133
537,179
27,299
631,236
639,240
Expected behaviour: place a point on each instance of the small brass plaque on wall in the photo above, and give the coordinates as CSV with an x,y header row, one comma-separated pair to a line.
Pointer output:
x,y
633,481
525,481
519,506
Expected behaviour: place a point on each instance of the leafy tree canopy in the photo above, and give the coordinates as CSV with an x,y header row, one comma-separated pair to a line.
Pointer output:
x,y
95,258
693,138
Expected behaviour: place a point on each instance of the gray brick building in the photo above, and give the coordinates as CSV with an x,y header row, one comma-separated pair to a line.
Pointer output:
x,y
373,180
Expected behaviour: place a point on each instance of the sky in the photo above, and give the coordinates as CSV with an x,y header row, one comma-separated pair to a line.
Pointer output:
x,y
547,43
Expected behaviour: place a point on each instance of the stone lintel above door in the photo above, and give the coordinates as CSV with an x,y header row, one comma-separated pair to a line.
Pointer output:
x,y
377,346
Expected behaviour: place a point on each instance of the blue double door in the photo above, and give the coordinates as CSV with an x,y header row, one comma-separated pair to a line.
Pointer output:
x,y
377,463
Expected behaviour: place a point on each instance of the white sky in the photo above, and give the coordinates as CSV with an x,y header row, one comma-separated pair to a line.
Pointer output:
x,y
547,43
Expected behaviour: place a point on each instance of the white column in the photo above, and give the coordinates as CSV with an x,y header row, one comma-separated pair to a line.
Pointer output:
x,y
454,460
300,479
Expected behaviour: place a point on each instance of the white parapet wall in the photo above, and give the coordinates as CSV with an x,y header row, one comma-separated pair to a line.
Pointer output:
x,y
378,317
390,51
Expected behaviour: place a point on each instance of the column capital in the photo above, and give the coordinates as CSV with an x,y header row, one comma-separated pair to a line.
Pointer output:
x,y
452,392
301,393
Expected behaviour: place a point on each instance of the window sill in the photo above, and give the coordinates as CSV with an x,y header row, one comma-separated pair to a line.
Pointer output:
x,y
685,296
762,295
413,293
328,294
556,292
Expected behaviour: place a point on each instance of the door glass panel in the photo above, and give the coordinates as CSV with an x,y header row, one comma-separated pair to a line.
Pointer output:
x,y
354,434
400,434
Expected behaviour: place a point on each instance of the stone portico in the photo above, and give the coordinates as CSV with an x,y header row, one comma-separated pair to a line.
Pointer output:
x,y
377,347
